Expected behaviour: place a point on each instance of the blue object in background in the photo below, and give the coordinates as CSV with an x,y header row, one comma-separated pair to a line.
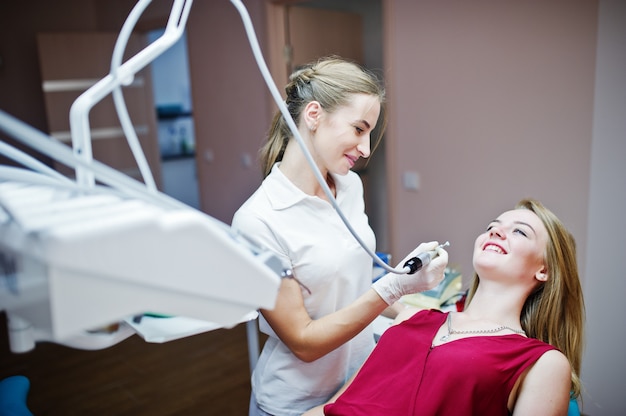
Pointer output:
x,y
13,395
573,409
378,271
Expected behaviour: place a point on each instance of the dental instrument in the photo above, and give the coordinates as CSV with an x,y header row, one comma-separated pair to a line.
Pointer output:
x,y
422,259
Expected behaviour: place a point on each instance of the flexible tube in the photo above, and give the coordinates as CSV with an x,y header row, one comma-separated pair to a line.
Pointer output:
x,y
173,31
256,50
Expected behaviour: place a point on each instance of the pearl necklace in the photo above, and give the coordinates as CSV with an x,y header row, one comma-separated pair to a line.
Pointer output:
x,y
478,331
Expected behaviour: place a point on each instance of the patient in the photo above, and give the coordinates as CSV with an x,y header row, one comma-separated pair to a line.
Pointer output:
x,y
515,349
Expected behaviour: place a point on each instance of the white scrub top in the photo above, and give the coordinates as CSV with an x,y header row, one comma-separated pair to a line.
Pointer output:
x,y
306,232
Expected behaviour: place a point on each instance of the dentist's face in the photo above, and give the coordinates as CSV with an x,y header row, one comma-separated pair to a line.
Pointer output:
x,y
343,136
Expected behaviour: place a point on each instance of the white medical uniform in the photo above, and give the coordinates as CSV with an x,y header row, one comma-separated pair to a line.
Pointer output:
x,y
306,232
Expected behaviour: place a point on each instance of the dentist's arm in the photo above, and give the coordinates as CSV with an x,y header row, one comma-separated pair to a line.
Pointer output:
x,y
310,339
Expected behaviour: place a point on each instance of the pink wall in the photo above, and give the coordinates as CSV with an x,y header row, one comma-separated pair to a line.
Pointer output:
x,y
490,102
603,363
20,80
230,104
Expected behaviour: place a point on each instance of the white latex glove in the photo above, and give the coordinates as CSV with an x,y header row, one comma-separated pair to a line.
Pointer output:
x,y
392,286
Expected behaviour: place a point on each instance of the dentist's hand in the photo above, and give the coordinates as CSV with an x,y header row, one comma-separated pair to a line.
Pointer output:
x,y
392,287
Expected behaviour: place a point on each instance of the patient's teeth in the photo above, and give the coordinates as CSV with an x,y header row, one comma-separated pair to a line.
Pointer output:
x,y
492,247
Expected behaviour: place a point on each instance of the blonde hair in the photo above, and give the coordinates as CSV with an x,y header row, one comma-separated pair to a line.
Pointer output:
x,y
555,312
330,81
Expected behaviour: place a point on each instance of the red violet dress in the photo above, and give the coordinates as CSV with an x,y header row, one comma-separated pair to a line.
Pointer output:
x,y
403,374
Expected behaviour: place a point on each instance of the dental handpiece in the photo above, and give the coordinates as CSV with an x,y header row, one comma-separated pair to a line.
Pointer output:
x,y
422,259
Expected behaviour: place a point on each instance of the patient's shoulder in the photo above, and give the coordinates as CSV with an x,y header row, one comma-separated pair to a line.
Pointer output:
x,y
405,314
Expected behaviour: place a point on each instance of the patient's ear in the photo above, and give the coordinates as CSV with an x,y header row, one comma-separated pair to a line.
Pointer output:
x,y
542,275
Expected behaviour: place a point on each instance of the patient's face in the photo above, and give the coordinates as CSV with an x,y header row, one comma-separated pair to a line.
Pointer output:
x,y
512,247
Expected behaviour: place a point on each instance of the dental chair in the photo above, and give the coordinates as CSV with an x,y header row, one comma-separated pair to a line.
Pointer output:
x,y
13,395
573,409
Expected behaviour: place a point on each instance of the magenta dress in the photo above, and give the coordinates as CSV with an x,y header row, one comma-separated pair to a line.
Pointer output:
x,y
406,375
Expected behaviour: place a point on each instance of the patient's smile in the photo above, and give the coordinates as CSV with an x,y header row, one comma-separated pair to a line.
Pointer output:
x,y
493,247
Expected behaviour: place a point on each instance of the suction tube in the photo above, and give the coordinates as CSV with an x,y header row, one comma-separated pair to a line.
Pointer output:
x,y
256,50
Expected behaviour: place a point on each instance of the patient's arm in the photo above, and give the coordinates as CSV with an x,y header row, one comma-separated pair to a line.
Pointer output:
x,y
393,310
545,387
405,314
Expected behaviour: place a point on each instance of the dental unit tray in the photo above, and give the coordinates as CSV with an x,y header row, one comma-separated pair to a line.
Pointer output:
x,y
75,261
76,255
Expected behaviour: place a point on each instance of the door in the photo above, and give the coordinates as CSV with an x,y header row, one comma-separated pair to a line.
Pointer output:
x,y
299,34
70,63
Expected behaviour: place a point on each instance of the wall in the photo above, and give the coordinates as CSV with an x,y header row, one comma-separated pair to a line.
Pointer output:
x,y
20,81
603,363
490,102
375,179
229,99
